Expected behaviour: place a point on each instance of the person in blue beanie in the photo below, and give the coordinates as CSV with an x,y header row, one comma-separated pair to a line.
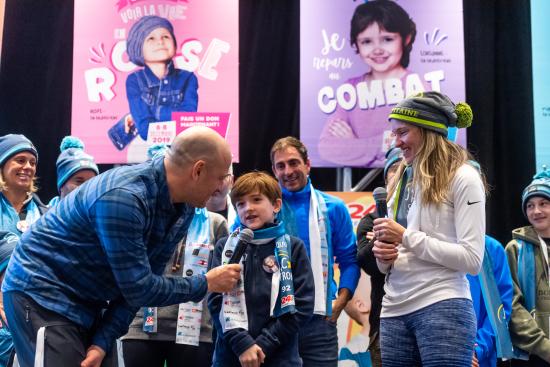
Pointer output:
x,y
528,259
19,205
485,348
74,167
323,222
158,89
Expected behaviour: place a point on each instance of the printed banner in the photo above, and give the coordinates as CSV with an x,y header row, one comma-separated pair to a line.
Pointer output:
x,y
540,29
359,59
359,204
178,67
353,323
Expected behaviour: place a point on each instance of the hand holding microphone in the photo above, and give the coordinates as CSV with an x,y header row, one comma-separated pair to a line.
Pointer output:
x,y
388,233
385,229
244,238
224,278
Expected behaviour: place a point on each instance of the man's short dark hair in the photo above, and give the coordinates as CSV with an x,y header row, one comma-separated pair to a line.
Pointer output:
x,y
289,142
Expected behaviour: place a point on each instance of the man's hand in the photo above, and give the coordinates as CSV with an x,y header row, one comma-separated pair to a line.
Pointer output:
x,y
94,357
344,295
4,320
223,278
252,357
475,362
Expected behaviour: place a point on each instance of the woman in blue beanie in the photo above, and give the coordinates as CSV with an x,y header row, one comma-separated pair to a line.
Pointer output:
x,y
158,89
19,206
434,236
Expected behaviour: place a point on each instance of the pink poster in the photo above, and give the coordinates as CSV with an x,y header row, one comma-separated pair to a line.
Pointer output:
x,y
145,70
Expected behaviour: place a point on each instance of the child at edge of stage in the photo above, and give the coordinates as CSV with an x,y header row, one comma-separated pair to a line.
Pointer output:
x,y
257,323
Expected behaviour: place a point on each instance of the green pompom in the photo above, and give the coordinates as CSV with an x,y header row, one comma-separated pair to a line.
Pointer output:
x,y
464,114
71,142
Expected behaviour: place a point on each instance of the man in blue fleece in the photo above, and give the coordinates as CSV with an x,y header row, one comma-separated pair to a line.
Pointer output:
x,y
80,273
322,221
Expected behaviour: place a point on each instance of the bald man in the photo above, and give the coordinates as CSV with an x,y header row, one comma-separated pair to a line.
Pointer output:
x,y
80,274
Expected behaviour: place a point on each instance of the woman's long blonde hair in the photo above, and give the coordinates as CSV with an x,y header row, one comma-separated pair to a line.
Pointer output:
x,y
434,167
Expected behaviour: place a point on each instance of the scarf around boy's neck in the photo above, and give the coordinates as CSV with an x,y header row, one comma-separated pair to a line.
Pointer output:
x,y
233,314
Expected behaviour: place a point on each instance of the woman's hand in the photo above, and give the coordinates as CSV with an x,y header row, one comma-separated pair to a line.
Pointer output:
x,y
388,230
385,252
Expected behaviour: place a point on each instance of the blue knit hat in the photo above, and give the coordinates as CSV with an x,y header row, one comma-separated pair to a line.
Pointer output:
x,y
72,159
140,30
393,156
539,187
12,144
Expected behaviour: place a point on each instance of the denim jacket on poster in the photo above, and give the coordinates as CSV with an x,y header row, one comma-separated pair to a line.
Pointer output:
x,y
153,100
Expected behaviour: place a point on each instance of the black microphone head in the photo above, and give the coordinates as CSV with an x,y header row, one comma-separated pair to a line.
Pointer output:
x,y
380,194
246,235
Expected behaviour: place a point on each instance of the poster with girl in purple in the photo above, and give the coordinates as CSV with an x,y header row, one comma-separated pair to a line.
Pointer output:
x,y
360,59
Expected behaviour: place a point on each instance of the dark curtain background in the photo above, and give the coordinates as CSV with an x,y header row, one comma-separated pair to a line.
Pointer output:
x,y
36,77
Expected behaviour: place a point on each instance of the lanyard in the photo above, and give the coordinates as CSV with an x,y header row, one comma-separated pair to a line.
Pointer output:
x,y
404,178
544,248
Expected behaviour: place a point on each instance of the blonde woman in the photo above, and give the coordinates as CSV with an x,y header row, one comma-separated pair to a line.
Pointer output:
x,y
19,208
434,236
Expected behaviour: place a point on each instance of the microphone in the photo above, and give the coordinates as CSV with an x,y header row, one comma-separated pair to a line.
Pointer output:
x,y
379,194
244,238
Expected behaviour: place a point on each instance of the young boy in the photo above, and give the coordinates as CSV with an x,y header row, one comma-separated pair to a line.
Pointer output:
x,y
528,260
257,322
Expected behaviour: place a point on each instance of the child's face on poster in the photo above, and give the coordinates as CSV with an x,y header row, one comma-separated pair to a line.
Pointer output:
x,y
158,46
379,49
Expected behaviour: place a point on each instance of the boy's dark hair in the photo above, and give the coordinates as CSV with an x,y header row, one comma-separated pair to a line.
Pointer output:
x,y
390,16
256,181
289,142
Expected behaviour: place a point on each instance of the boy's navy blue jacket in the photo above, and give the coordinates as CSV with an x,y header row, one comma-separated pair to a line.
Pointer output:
x,y
278,337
